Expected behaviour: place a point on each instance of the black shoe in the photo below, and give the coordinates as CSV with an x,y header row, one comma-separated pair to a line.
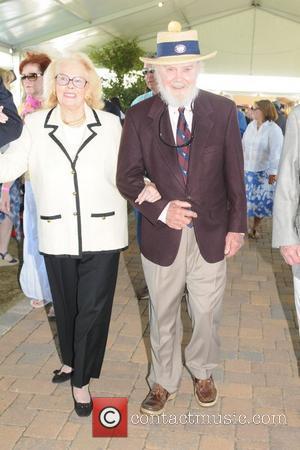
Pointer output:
x,y
61,377
83,409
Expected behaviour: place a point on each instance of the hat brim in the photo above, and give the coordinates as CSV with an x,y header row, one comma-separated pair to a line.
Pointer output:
x,y
177,59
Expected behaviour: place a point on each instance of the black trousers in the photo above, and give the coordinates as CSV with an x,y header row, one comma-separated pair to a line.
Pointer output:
x,y
83,291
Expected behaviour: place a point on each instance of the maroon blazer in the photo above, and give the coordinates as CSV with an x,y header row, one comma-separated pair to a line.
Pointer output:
x,y
215,186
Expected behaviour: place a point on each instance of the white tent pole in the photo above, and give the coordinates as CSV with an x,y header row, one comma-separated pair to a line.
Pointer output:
x,y
281,14
252,42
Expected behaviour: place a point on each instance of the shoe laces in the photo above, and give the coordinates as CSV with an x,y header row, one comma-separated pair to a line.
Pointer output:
x,y
158,391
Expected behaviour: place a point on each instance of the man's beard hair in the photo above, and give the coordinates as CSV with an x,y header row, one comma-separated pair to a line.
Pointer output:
x,y
171,100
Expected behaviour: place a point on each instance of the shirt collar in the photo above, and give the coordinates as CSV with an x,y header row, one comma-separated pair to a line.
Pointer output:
x,y
174,109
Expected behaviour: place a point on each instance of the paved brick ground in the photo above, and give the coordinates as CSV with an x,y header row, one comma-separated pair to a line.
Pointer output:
x,y
259,376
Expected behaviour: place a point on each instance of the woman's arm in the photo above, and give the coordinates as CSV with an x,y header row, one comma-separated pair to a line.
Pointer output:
x,y
148,194
275,149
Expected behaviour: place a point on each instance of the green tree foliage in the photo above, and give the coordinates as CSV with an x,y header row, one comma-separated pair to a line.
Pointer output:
x,y
120,56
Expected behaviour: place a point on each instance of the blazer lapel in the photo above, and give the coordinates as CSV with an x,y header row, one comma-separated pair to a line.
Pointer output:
x,y
93,121
202,125
53,121
163,137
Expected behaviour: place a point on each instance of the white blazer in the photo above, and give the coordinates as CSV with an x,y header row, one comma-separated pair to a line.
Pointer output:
x,y
79,208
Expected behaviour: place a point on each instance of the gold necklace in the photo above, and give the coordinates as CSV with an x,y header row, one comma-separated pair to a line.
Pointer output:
x,y
75,123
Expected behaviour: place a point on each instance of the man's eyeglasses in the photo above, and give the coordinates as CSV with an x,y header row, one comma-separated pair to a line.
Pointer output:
x,y
64,80
146,71
31,76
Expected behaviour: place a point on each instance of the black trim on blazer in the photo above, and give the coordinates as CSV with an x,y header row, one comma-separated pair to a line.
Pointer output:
x,y
58,216
97,123
112,213
73,163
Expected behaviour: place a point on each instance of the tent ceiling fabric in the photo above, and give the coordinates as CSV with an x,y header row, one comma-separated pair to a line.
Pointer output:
x,y
259,40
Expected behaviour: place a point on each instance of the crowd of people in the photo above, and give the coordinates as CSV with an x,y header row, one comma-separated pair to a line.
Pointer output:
x,y
190,164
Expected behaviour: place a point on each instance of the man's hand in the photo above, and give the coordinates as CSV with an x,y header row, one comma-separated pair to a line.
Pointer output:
x,y
233,242
3,117
148,194
5,202
291,253
179,214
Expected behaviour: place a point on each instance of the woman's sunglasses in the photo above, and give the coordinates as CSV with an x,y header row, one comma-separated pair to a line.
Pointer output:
x,y
31,76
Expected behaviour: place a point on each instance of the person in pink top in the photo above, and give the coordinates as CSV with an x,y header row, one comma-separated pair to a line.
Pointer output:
x,y
33,276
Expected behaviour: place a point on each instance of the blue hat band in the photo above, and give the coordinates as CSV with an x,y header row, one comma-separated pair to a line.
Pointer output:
x,y
178,48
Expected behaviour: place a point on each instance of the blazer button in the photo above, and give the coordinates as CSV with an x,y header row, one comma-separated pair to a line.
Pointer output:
x,y
75,214
189,197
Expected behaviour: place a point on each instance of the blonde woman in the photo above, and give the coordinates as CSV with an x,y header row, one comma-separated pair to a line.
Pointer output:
x,y
70,151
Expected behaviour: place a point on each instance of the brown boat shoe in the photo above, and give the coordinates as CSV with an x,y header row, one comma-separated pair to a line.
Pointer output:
x,y
205,391
156,400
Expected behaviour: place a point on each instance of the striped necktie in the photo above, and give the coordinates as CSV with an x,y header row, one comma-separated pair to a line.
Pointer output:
x,y
183,135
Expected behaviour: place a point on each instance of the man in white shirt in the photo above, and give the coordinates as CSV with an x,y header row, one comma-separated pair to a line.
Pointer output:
x,y
286,215
188,143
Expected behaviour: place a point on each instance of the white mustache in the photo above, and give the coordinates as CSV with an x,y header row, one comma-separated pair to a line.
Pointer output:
x,y
178,84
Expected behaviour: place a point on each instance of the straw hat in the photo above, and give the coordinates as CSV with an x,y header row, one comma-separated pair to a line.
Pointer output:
x,y
176,46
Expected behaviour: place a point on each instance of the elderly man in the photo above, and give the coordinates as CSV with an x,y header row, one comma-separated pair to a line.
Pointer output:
x,y
188,143
286,214
10,122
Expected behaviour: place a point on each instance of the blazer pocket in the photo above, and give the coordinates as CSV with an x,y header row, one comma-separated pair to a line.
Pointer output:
x,y
103,215
211,149
58,216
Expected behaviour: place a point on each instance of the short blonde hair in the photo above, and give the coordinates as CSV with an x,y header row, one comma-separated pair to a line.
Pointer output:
x,y
93,95
7,76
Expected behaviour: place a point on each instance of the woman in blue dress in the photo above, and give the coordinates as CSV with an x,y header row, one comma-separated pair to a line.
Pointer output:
x,y
262,145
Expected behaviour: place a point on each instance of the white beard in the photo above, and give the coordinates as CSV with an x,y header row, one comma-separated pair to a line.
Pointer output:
x,y
178,102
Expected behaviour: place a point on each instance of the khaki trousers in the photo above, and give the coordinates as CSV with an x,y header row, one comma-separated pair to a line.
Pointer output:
x,y
206,284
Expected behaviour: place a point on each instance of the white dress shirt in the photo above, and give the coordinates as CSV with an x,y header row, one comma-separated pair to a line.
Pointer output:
x,y
262,147
174,114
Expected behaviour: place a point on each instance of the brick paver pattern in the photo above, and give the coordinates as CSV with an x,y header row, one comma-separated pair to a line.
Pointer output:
x,y
258,374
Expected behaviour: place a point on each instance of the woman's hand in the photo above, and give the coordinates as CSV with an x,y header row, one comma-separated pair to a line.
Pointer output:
x,y
148,194
5,202
272,179
3,117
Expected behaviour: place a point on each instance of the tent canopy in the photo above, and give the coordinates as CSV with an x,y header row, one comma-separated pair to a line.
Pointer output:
x,y
259,37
